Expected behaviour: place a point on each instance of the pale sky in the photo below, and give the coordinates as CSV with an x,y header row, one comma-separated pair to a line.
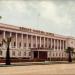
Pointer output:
x,y
56,16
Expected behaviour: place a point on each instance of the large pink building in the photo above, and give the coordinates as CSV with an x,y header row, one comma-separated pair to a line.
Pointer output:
x,y
30,44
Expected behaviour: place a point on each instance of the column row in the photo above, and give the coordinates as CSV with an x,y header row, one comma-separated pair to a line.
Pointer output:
x,y
29,41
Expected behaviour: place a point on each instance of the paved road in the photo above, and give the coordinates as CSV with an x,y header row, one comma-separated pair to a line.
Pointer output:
x,y
54,69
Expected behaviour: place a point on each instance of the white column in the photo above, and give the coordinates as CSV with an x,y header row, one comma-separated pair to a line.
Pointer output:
x,y
31,41
40,41
22,41
51,43
54,44
11,37
57,44
66,44
47,42
44,42
63,44
10,34
60,44
4,34
16,40
36,42
27,42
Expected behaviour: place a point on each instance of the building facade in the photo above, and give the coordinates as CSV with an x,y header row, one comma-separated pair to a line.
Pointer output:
x,y
29,44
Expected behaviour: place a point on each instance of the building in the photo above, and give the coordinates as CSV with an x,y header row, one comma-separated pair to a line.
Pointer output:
x,y
29,44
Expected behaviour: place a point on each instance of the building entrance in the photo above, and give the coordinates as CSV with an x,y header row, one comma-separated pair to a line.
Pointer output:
x,y
40,55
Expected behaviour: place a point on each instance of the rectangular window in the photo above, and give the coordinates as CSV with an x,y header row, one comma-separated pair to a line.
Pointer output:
x,y
59,54
29,53
0,44
53,54
34,45
38,45
24,44
29,45
13,53
56,54
24,53
62,54
0,52
14,44
49,46
46,45
19,44
19,53
42,46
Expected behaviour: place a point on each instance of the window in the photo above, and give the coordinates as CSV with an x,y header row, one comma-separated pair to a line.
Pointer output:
x,y
24,53
0,44
53,54
34,45
52,46
19,53
55,47
38,45
42,46
20,44
0,52
49,46
46,45
24,44
72,54
29,44
59,54
14,44
59,47
56,54
62,55
29,53
61,44
13,53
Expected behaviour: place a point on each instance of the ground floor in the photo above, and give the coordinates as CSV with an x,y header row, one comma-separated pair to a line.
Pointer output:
x,y
19,55
34,56
50,69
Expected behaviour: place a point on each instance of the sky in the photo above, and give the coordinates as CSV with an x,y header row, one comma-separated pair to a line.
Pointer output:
x,y
55,16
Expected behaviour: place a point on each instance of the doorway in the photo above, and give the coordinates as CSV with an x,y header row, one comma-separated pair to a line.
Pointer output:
x,y
41,55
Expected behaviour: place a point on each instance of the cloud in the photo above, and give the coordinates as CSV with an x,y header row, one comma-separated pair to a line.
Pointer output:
x,y
53,16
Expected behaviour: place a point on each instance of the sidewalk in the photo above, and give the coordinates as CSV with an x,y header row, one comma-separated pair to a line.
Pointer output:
x,y
35,63
56,69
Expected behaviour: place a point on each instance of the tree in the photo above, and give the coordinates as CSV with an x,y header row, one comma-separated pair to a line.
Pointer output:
x,y
0,17
70,51
7,42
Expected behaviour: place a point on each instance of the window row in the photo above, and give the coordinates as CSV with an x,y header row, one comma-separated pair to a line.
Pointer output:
x,y
19,53
58,54
57,46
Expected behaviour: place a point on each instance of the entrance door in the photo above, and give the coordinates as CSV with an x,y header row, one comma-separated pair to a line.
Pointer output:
x,y
35,54
42,55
